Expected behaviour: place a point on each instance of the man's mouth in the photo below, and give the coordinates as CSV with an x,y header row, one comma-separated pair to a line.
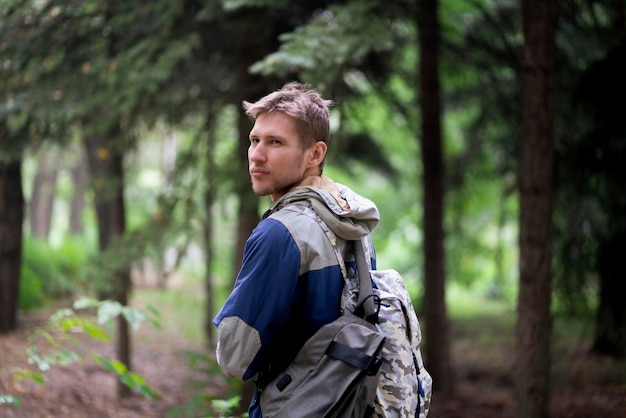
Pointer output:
x,y
258,172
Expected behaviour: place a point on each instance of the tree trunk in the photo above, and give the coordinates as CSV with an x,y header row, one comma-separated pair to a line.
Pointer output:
x,y
535,236
11,220
80,174
603,79
437,333
41,202
248,202
248,214
107,168
209,200
610,334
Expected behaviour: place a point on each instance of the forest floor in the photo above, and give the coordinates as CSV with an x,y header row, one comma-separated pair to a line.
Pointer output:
x,y
584,386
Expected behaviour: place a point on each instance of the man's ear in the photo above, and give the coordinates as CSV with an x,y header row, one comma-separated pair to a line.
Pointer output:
x,y
317,153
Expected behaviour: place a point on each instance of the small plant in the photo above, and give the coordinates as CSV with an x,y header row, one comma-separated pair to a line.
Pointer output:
x,y
9,400
59,335
201,404
52,272
224,407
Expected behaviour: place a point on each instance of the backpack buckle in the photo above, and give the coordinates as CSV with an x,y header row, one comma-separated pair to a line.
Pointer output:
x,y
374,365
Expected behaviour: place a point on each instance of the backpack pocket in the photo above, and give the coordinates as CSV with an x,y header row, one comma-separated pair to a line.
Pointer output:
x,y
335,374
405,387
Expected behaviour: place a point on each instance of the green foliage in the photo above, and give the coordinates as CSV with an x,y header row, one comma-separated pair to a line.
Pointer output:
x,y
76,63
128,378
224,407
333,41
10,400
107,310
231,5
56,343
201,404
31,293
50,271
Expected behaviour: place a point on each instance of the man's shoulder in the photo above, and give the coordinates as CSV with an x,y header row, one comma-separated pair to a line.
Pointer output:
x,y
293,222
297,217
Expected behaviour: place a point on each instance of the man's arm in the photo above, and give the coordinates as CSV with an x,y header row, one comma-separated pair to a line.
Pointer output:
x,y
259,305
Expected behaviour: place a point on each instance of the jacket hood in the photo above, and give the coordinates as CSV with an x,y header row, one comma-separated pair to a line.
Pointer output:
x,y
349,215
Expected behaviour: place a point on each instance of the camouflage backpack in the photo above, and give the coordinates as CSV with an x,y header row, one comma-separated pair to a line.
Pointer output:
x,y
404,386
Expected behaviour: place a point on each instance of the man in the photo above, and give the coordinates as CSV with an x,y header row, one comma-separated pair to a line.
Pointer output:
x,y
290,283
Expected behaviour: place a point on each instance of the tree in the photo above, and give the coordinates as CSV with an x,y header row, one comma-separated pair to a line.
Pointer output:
x,y
53,85
536,150
11,219
79,182
603,151
106,163
368,58
11,215
15,127
437,326
41,203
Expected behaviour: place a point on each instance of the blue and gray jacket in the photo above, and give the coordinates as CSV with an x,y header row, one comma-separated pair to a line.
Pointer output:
x,y
290,282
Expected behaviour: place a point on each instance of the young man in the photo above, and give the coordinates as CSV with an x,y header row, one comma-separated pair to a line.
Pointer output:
x,y
290,282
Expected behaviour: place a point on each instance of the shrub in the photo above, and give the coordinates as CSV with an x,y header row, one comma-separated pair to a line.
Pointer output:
x,y
31,293
56,343
58,268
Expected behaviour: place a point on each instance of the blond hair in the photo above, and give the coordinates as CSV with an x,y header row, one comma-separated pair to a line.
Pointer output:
x,y
301,102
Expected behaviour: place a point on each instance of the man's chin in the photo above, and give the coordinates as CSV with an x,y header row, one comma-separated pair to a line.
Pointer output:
x,y
259,191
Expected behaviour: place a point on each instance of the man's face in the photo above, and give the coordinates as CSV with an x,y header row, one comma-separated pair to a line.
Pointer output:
x,y
276,160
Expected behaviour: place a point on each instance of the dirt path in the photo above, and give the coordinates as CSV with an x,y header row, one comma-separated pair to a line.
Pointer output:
x,y
87,390
583,386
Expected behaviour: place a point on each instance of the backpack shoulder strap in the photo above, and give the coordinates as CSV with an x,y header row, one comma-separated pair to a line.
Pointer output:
x,y
368,304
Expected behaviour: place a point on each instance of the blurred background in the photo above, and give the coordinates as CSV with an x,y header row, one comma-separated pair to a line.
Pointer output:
x,y
123,176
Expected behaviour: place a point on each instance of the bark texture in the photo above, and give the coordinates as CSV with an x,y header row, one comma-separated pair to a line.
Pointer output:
x,y
536,193
11,220
437,339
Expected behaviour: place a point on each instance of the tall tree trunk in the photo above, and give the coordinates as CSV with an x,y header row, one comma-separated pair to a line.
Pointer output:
x,y
251,87
41,202
248,214
209,200
80,173
437,335
610,333
536,192
603,79
107,168
11,220
248,202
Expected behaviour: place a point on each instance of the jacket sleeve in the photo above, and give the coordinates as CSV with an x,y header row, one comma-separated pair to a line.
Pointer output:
x,y
259,305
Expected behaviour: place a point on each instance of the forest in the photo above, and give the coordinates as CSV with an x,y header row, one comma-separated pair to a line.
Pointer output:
x,y
488,133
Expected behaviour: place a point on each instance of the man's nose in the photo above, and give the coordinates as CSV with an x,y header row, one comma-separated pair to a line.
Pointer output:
x,y
256,152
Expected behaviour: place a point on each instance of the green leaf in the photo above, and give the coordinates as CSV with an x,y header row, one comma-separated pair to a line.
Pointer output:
x,y
33,358
232,5
154,316
111,365
108,310
85,302
94,331
36,377
65,357
128,378
133,316
60,314
10,400
68,324
225,406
